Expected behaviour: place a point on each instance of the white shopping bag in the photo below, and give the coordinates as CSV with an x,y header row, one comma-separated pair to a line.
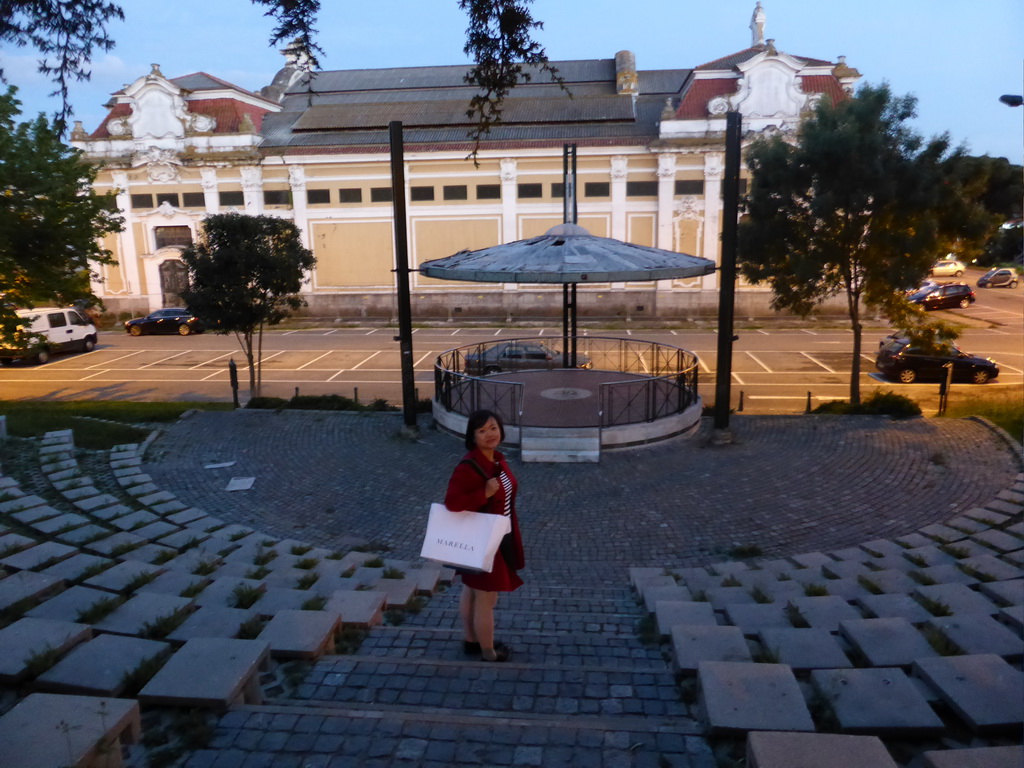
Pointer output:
x,y
466,540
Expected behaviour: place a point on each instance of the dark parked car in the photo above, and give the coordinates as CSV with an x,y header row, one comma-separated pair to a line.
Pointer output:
x,y
944,296
899,360
997,278
517,356
171,320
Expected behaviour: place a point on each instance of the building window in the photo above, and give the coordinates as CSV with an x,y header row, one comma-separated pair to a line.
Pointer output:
x,y
597,189
558,190
142,201
318,196
531,190
421,194
380,195
641,189
167,197
689,187
166,236
356,195
488,191
231,199
456,192
277,197
193,199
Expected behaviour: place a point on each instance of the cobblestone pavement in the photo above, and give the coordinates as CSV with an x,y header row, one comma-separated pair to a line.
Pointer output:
x,y
586,685
786,484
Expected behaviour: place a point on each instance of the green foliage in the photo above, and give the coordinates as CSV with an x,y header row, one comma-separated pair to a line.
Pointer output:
x,y
307,563
741,551
161,627
267,403
250,629
1005,408
307,580
244,274
859,206
317,603
319,403
245,595
41,660
876,404
98,610
134,680
374,562
393,573
51,220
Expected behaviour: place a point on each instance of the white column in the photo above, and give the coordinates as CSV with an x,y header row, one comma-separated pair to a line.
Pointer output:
x,y
509,196
252,189
714,169
128,254
208,180
666,197
619,171
300,215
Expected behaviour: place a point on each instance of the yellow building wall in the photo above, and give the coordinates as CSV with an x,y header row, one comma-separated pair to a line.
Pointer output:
x,y
641,230
352,254
535,226
113,276
439,238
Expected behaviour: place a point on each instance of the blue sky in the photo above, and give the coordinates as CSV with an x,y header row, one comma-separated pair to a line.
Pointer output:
x,y
956,57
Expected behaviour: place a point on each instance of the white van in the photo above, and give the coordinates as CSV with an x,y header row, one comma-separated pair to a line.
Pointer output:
x,y
63,329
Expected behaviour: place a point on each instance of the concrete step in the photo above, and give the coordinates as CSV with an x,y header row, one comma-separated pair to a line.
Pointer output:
x,y
577,445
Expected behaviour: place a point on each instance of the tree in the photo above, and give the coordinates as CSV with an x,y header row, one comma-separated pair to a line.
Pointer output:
x,y
51,221
860,205
67,32
244,272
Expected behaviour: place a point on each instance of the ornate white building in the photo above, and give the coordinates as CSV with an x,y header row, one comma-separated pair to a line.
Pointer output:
x,y
650,162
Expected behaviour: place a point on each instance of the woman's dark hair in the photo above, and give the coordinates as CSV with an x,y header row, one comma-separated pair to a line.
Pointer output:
x,y
476,420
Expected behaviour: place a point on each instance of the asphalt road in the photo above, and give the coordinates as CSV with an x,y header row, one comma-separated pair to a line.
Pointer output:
x,y
773,366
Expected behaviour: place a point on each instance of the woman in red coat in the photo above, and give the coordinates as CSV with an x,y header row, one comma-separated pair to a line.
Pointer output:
x,y
483,482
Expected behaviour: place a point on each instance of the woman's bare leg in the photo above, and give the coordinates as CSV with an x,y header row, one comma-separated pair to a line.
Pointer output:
x,y
466,603
483,621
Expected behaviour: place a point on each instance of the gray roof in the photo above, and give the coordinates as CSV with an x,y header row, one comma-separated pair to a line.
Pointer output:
x,y
566,254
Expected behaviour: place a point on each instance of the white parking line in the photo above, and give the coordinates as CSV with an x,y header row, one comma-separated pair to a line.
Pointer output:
x,y
157,362
98,373
207,362
374,330
304,365
424,357
739,380
365,360
215,373
763,332
343,370
817,362
754,358
812,333
108,362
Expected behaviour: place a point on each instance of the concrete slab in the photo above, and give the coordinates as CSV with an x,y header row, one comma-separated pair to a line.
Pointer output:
x,y
998,540
803,649
928,555
212,622
157,530
653,592
974,634
138,615
76,566
668,613
876,701
397,592
844,569
957,599
26,585
980,757
14,542
114,543
752,697
101,666
888,582
751,619
120,578
69,604
63,523
28,636
848,589
693,644
211,673
766,749
852,554
894,606
223,593
111,512
1004,592
720,597
79,536
824,612
301,634
137,519
943,574
48,730
34,514
1013,617
95,502
987,567
276,599
892,642
357,608
882,547
984,690
48,552
942,533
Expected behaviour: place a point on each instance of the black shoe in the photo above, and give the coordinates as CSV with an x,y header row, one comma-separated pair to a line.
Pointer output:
x,y
501,653
470,648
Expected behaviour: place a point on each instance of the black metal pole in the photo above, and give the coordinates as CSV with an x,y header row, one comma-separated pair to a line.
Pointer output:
x,y
565,325
404,337
727,272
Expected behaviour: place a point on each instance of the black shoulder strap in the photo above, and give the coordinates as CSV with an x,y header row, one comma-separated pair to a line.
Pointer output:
x,y
477,467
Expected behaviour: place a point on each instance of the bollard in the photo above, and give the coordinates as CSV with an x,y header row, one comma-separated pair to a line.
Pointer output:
x,y
355,394
808,408
296,391
740,408
233,373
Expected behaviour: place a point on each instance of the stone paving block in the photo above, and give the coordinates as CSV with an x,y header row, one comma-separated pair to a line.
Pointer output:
x,y
697,579
141,489
942,533
812,559
140,613
806,576
114,543
150,553
82,489
428,578
752,697
987,516
728,568
803,649
357,608
14,542
928,555
35,513
888,582
134,520
912,540
168,507
157,497
1004,592
120,577
877,701
156,530
848,589
824,612
998,540
966,524
693,644
221,593
212,622
979,757
943,574
894,606
779,591
984,690
967,548
976,634
10,506
852,554
100,666
83,535
47,730
882,547
301,634
1004,507
28,636
276,599
95,502
26,585
211,673
988,567
76,566
111,512
39,555
1013,617
190,515
892,563
751,619
173,582
181,539
956,598
720,597
69,604
767,749
653,592
892,642
398,592
668,613
60,523
844,569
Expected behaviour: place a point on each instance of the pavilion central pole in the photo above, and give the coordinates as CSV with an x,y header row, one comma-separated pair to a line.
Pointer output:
x,y
404,337
569,213
727,281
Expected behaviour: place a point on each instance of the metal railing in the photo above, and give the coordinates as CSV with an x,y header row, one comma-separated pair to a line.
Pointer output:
x,y
468,378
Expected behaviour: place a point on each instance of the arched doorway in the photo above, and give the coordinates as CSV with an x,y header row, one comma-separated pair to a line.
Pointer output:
x,y
173,280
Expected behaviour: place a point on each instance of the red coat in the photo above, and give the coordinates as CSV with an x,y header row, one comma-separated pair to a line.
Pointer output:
x,y
466,491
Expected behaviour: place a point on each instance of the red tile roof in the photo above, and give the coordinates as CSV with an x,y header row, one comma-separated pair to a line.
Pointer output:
x,y
694,104
824,84
227,112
